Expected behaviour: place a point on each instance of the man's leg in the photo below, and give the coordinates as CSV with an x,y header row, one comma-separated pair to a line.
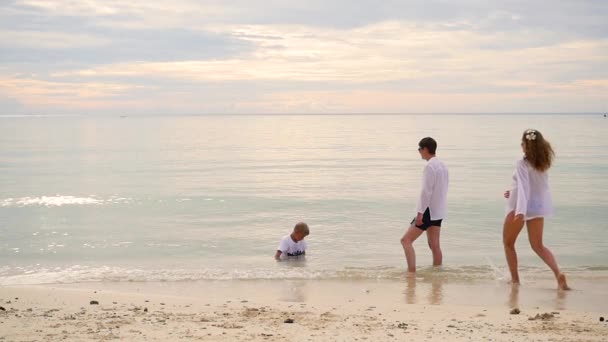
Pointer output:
x,y
432,236
406,241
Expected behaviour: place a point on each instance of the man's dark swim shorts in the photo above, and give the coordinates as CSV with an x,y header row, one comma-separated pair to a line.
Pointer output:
x,y
426,221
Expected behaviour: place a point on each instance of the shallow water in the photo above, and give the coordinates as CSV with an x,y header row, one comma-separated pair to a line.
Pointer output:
x,y
208,197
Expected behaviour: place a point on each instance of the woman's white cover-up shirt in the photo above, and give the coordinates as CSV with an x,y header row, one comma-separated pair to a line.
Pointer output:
x,y
530,194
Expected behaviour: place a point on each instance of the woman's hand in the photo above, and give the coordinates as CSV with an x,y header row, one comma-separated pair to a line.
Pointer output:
x,y
507,194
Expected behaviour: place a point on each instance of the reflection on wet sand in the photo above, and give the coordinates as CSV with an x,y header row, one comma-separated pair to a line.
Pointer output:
x,y
560,300
435,289
410,289
294,291
436,293
514,296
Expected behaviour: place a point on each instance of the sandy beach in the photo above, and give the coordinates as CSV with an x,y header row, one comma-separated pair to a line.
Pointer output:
x,y
277,311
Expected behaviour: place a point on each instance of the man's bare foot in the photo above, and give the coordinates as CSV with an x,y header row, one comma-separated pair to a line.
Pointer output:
x,y
561,282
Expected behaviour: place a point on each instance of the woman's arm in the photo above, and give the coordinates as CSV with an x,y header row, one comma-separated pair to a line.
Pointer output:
x,y
523,189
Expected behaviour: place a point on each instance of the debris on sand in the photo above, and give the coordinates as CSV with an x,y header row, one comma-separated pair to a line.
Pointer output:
x,y
544,317
94,302
289,320
515,311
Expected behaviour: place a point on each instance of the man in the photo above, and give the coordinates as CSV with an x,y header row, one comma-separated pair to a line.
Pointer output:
x,y
432,205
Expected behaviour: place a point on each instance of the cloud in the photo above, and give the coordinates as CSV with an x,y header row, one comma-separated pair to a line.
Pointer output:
x,y
89,49
49,40
89,32
315,56
587,16
383,52
59,97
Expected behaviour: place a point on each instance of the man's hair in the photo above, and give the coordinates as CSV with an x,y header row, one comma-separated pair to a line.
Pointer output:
x,y
301,227
429,143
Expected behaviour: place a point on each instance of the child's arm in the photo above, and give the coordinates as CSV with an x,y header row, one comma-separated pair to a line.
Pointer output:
x,y
277,255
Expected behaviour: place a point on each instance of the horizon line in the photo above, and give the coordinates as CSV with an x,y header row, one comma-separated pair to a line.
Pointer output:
x,y
300,114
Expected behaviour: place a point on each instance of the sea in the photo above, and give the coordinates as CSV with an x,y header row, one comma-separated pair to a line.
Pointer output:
x,y
165,198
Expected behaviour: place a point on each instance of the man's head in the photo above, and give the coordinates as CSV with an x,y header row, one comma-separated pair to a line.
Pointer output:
x,y
300,231
427,148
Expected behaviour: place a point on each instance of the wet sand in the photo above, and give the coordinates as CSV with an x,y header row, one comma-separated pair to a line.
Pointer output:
x,y
319,311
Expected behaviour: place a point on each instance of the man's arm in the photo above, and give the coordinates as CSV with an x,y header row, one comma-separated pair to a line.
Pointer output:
x,y
277,255
428,183
419,217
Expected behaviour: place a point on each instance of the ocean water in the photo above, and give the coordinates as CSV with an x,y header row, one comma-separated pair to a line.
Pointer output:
x,y
164,198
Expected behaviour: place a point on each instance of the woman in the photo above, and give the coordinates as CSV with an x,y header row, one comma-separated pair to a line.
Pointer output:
x,y
529,201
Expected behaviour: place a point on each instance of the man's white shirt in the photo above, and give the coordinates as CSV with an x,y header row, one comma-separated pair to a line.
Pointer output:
x,y
434,194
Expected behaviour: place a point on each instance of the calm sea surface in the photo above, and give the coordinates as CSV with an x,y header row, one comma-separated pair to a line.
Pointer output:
x,y
208,197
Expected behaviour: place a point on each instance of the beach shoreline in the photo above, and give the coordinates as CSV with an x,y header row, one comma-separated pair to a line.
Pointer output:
x,y
257,311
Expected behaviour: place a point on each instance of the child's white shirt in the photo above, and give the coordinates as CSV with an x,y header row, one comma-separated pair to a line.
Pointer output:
x,y
288,247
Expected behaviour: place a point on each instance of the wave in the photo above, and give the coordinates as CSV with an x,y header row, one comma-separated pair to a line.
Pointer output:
x,y
59,200
286,271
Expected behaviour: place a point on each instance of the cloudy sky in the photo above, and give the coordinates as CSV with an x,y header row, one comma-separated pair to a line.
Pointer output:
x,y
245,56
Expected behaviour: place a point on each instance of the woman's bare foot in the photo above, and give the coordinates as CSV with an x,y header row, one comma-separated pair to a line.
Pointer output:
x,y
561,282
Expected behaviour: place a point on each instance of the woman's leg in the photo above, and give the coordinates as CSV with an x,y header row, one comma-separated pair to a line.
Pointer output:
x,y
510,231
535,235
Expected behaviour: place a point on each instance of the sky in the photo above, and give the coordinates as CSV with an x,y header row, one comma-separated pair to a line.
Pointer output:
x,y
122,57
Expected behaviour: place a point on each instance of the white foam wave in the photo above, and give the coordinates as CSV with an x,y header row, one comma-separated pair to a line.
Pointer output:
x,y
58,201
86,274
82,274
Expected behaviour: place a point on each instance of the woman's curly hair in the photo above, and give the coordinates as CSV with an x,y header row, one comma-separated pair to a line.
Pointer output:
x,y
537,149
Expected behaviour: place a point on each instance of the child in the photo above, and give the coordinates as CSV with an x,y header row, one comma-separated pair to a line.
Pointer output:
x,y
293,244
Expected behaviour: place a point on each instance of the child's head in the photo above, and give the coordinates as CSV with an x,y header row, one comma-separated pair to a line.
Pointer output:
x,y
300,231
